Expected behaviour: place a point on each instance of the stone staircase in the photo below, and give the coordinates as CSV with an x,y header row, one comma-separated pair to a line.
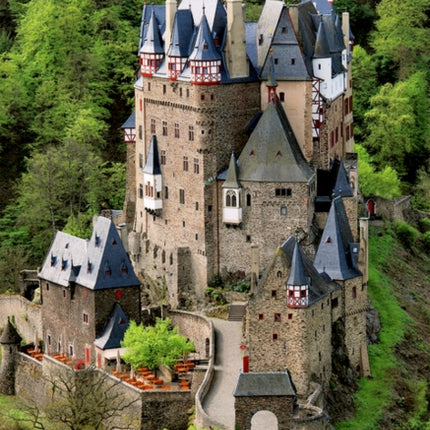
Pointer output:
x,y
236,311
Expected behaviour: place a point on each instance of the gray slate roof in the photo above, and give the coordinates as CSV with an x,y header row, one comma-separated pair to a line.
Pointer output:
x,y
319,285
160,14
152,165
297,275
337,253
98,263
322,6
152,42
113,332
272,153
322,49
10,336
182,34
130,122
264,384
342,186
231,179
204,48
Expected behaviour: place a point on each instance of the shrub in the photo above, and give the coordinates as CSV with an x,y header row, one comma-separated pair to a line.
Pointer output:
x,y
406,233
424,224
426,240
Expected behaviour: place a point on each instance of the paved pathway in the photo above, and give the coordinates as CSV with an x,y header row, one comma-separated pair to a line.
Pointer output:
x,y
219,402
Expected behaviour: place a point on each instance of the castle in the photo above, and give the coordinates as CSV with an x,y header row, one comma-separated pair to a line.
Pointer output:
x,y
240,162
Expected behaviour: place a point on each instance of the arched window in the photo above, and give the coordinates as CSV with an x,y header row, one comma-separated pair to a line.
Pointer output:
x,y
283,210
234,200
248,200
228,200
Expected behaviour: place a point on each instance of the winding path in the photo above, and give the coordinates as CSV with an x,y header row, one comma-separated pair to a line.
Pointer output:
x,y
219,402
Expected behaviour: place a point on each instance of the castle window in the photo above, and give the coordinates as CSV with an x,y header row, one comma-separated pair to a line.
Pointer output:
x,y
163,256
202,96
124,268
191,132
260,317
49,339
335,303
197,206
350,103
164,128
47,287
140,132
274,294
197,236
283,192
181,196
64,294
149,86
85,318
319,66
282,96
164,89
283,210
183,223
180,92
163,157
188,92
284,29
89,266
171,259
337,134
354,292
166,192
319,356
248,200
290,316
275,336
275,60
118,294
196,166
279,274
293,61
322,305
141,191
212,97
71,350
331,139
140,160
176,130
248,238
209,208
153,129
185,164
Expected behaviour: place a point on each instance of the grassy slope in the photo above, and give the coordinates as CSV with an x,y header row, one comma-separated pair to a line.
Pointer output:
x,y
396,395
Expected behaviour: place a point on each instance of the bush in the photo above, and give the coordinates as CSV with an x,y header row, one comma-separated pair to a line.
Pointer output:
x,y
424,224
406,233
426,240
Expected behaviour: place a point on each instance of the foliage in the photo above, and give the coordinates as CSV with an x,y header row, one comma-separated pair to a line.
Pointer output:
x,y
406,233
421,192
153,346
383,183
424,224
398,126
12,261
426,240
402,34
375,393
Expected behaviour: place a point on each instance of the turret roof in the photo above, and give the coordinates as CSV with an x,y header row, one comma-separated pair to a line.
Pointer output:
x,y
147,11
10,335
114,329
130,122
152,165
182,34
342,186
322,49
152,42
231,180
272,153
98,263
204,48
297,272
337,253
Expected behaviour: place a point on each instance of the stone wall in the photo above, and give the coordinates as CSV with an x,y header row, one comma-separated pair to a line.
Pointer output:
x,y
26,316
392,210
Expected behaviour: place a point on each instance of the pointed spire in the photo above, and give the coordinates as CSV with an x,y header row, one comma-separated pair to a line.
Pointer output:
x,y
152,43
322,48
342,186
297,273
231,180
204,48
152,165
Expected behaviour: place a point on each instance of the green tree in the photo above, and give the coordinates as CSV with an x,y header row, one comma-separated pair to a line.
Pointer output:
x,y
384,183
398,126
12,261
152,346
403,33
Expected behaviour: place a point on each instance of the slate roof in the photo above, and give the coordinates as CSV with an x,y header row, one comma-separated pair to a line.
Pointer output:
x,y
319,285
152,165
264,384
204,48
98,263
114,329
337,253
10,335
297,271
182,34
130,121
322,6
342,186
231,179
152,42
272,153
322,49
160,15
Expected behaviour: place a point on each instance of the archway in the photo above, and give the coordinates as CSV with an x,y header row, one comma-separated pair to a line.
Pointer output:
x,y
264,420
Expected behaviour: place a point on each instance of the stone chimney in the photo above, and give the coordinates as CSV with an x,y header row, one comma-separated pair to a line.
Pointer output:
x,y
345,31
237,61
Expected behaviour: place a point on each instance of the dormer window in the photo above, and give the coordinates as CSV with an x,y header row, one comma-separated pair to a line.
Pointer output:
x,y
97,241
63,264
124,268
53,260
107,270
89,267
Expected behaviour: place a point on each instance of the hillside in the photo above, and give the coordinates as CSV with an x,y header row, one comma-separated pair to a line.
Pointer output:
x,y
396,397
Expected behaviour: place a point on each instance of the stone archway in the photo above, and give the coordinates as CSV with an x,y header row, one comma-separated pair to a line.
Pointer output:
x,y
264,420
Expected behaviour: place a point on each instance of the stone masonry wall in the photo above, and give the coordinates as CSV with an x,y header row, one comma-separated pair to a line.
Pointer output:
x,y
25,314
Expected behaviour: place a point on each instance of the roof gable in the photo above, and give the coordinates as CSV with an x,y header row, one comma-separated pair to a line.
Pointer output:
x,y
272,153
114,329
152,165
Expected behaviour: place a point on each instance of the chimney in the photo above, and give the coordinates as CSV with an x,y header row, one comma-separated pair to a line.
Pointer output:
x,y
170,19
345,31
237,61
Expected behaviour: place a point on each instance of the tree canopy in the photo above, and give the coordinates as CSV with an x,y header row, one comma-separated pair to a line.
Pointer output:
x,y
152,346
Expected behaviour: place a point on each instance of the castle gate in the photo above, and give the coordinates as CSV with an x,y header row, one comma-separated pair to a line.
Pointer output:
x,y
264,420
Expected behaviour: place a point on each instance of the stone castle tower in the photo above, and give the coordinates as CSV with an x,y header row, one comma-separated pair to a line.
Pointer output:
x,y
10,341
241,130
